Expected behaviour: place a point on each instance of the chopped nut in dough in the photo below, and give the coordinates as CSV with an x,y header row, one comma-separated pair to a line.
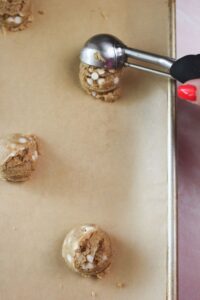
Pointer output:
x,y
18,157
15,15
87,250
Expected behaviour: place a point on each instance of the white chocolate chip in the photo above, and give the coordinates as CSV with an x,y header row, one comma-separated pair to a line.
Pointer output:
x,y
10,20
101,81
89,266
111,70
101,71
87,228
89,81
17,20
95,76
22,140
90,258
116,80
35,156
94,94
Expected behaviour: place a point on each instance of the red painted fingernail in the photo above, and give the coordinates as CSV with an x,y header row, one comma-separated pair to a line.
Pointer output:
x,y
187,92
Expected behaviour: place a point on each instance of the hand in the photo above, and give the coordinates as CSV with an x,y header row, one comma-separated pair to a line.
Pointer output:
x,y
190,91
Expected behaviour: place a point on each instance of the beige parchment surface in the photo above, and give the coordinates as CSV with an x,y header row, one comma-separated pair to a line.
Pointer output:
x,y
101,163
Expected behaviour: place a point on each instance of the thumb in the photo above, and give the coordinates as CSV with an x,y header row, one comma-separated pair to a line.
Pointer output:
x,y
190,91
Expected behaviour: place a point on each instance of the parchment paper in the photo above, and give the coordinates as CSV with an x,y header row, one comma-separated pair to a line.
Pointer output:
x,y
101,163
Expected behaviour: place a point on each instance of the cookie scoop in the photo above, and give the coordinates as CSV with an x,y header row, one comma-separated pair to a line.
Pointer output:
x,y
87,250
18,157
108,52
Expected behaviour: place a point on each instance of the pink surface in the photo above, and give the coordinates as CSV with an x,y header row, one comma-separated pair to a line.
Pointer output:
x,y
188,41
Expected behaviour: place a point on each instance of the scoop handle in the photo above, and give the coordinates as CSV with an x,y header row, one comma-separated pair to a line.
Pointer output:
x,y
158,60
186,68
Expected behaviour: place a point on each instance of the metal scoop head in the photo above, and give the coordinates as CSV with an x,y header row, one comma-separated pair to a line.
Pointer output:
x,y
104,51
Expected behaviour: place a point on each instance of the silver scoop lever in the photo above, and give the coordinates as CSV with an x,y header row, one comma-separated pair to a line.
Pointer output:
x,y
107,51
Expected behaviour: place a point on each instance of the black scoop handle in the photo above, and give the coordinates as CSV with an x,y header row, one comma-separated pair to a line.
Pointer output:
x,y
186,68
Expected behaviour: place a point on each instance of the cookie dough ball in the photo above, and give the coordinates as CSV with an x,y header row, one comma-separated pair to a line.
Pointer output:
x,y
18,156
101,83
15,14
87,250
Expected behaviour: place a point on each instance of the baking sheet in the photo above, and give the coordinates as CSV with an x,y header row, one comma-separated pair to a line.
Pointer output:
x,y
101,163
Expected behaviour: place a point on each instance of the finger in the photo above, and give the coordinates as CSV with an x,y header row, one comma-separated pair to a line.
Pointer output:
x,y
190,91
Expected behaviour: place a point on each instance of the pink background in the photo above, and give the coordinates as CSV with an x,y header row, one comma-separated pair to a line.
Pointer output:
x,y
188,41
